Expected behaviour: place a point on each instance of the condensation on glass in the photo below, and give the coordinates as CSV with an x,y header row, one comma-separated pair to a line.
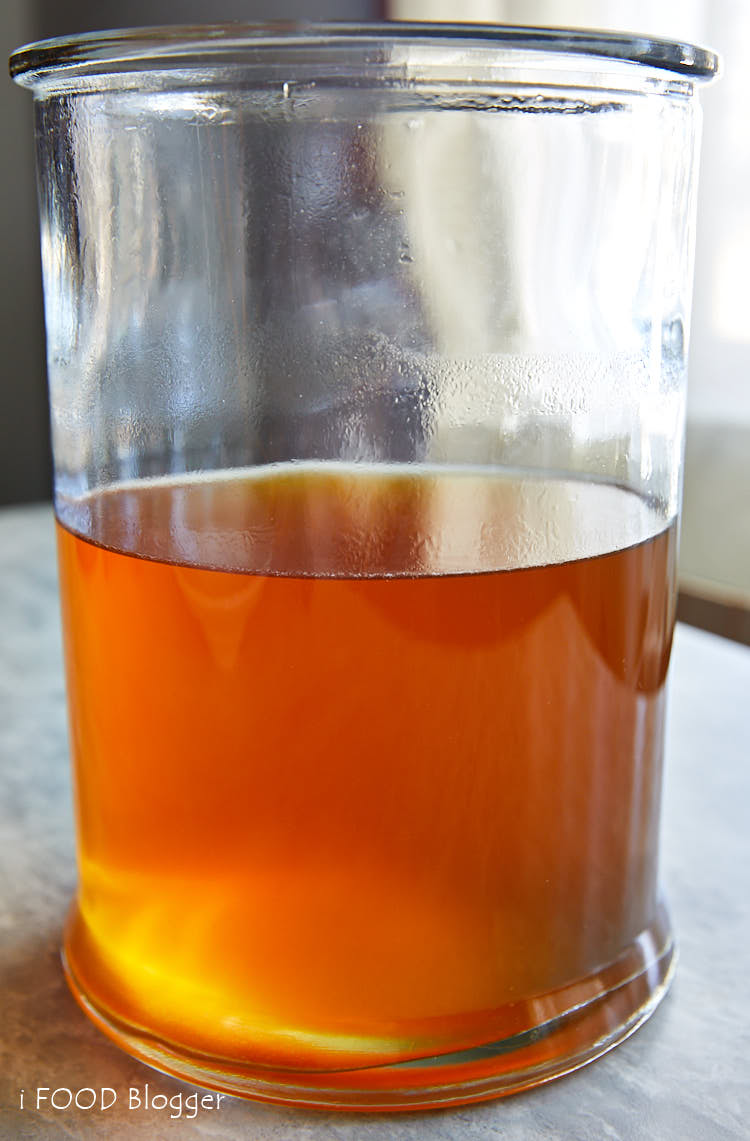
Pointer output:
x,y
367,352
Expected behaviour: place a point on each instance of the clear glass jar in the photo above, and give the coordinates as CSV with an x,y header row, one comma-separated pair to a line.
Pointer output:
x,y
367,354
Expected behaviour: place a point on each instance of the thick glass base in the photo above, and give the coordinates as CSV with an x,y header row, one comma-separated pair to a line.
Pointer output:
x,y
564,1030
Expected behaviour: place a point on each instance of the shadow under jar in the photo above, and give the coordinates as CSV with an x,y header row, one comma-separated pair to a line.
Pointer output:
x,y
367,353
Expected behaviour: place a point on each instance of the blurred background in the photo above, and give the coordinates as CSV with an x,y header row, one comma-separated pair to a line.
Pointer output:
x,y
715,550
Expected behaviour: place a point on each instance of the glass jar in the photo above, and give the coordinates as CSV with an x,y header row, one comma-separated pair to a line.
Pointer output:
x,y
367,352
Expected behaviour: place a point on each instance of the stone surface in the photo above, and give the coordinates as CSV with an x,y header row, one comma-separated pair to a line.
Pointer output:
x,y
682,1077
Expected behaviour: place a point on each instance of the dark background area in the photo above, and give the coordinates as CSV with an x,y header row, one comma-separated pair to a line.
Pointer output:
x,y
25,464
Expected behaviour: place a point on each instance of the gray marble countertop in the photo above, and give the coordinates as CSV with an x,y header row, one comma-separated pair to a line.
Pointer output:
x,y
685,1076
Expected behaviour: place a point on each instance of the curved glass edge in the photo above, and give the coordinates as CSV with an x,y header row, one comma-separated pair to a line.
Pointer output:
x,y
193,45
563,1043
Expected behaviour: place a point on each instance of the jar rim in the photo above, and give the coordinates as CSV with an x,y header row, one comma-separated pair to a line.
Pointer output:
x,y
193,46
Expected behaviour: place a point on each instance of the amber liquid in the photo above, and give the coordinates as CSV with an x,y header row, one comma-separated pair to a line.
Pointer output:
x,y
379,800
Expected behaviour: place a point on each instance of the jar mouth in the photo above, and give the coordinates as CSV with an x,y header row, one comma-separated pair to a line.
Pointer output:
x,y
376,47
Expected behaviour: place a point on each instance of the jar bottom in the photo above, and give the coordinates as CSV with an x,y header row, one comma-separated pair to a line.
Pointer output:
x,y
601,1010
